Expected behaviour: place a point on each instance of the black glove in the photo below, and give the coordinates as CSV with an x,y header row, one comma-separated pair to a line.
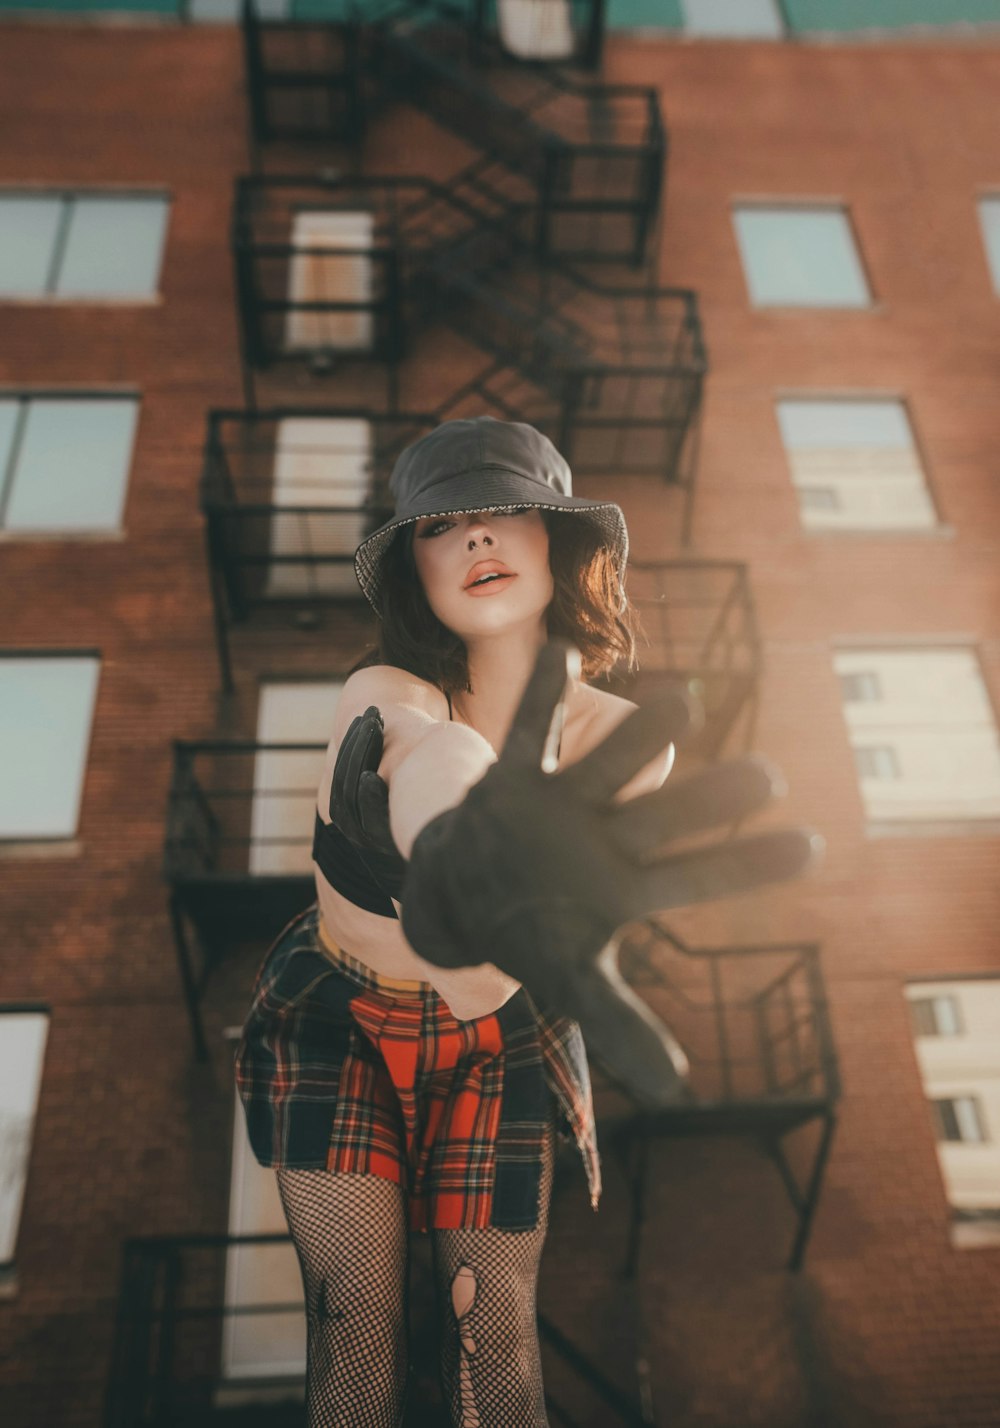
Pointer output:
x,y
359,801
535,872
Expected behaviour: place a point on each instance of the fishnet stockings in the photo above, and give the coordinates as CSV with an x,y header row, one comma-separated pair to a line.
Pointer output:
x,y
350,1234
487,1279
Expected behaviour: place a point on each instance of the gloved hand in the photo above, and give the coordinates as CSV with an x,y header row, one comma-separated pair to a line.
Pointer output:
x,y
536,871
359,800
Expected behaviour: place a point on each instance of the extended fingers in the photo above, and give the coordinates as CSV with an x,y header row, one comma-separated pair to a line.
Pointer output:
x,y
729,868
373,808
360,750
557,662
629,747
713,798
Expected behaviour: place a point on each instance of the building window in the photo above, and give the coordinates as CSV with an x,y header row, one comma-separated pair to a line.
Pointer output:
x,y
876,763
795,256
956,1038
81,245
926,748
747,19
64,462
863,452
989,220
819,498
46,712
285,780
330,264
959,1118
23,1033
935,1016
861,687
322,480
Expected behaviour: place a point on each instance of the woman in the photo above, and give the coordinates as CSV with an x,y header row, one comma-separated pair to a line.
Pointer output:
x,y
391,1093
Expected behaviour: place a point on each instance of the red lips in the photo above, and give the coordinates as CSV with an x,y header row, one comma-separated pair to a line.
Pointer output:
x,y
486,567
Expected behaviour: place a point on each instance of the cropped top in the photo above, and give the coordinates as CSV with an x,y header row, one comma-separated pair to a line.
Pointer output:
x,y
353,874
362,878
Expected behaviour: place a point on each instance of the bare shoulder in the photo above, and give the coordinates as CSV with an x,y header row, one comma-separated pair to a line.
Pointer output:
x,y
598,712
399,696
407,703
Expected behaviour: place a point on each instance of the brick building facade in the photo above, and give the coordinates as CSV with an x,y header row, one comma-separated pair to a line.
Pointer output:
x,y
891,1320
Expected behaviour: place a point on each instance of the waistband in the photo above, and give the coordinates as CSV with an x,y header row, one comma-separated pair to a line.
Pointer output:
x,y
360,972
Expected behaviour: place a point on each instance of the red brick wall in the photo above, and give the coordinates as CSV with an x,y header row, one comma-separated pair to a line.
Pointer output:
x,y
887,1324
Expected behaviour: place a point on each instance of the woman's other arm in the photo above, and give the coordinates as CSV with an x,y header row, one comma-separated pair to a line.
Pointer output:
x,y
428,762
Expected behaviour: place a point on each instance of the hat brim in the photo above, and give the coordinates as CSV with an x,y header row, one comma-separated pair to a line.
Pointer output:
x,y
501,490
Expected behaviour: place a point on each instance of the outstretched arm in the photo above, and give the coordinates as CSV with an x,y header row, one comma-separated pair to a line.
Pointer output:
x,y
536,871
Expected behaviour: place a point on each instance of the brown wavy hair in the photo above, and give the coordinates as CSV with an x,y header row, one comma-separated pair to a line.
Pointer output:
x,y
589,607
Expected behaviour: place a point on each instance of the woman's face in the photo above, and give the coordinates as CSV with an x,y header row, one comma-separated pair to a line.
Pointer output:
x,y
484,571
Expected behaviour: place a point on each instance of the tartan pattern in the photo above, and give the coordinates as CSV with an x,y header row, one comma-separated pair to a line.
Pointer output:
x,y
338,1071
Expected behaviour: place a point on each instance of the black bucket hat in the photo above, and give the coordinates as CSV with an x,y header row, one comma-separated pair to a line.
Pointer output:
x,y
481,464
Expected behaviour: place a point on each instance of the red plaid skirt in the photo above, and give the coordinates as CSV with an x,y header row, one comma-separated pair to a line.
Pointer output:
x,y
343,1070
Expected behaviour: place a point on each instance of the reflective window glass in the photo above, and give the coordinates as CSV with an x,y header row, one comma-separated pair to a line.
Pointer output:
x,y
747,18
81,245
862,454
65,462
46,710
800,257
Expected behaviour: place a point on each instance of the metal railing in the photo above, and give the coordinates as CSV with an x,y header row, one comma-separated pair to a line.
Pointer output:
x,y
175,1329
755,1025
304,79
593,155
287,496
698,626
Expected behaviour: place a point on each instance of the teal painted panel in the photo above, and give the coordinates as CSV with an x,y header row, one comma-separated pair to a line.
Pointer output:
x,y
644,14
71,7
887,14
803,15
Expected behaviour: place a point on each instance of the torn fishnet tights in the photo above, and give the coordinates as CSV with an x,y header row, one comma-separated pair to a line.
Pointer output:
x,y
490,1367
350,1235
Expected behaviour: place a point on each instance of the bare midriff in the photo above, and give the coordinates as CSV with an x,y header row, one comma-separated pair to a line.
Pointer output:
x,y
379,944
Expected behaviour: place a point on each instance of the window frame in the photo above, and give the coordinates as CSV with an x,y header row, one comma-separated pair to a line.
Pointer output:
x,y
991,195
940,527
67,193
958,826
8,481
938,1116
9,1281
56,845
801,203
